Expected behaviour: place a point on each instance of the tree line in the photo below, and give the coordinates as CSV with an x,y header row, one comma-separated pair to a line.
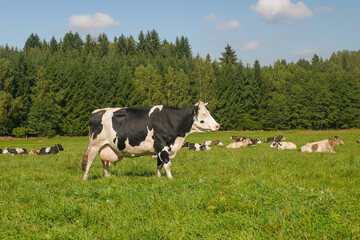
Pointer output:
x,y
50,88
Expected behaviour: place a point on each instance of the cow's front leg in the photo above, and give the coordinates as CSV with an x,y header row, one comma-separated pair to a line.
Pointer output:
x,y
164,160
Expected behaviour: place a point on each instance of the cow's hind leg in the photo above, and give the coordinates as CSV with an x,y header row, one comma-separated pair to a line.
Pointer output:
x,y
163,156
88,160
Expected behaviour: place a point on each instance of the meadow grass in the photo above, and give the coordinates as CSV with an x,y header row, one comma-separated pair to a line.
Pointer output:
x,y
249,193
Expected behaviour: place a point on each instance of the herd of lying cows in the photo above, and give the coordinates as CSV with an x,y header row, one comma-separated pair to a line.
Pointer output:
x,y
41,151
327,145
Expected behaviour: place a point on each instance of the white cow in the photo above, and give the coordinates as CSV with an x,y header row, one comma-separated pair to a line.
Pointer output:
x,y
239,144
283,145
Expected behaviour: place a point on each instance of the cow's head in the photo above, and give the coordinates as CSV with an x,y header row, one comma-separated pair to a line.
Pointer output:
x,y
337,140
274,144
203,121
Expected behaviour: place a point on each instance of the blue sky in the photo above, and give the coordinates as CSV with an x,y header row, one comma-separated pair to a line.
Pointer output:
x,y
266,30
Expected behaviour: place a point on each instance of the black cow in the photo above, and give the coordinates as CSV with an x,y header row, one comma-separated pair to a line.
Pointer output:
x,y
129,132
275,139
50,150
15,151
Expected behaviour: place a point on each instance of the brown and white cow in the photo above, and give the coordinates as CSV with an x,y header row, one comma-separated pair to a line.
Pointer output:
x,y
244,143
129,132
212,143
327,145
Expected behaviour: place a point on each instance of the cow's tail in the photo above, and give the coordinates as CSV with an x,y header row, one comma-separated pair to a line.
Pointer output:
x,y
84,161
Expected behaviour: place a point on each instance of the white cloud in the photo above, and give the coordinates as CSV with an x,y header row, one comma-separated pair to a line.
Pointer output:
x,y
274,10
92,23
231,25
252,45
308,52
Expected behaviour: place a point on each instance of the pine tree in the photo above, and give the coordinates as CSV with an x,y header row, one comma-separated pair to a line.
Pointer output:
x,y
229,56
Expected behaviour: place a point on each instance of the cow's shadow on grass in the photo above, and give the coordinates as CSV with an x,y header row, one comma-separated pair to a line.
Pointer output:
x,y
134,174
125,174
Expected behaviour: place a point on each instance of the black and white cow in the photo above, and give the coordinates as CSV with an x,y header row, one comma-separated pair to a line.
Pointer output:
x,y
275,139
15,151
50,150
129,132
196,146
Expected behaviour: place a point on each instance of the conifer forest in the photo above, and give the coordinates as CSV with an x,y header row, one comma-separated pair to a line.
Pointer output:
x,y
51,87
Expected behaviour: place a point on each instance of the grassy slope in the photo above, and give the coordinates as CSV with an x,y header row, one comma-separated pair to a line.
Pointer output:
x,y
254,192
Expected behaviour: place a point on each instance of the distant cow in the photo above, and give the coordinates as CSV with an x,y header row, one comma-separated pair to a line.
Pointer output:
x,y
283,145
130,131
50,150
196,146
275,139
327,145
213,143
34,151
239,144
15,151
240,138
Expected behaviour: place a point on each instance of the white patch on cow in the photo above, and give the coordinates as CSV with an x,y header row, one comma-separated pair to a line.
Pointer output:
x,y
160,107
106,109
146,146
19,150
6,151
179,141
47,150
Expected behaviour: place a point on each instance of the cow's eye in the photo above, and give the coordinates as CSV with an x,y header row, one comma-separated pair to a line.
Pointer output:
x,y
202,121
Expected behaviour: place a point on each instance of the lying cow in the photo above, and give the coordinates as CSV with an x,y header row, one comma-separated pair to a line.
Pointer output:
x,y
238,138
34,151
196,146
239,144
275,139
125,132
212,143
50,150
283,145
15,151
327,145
252,140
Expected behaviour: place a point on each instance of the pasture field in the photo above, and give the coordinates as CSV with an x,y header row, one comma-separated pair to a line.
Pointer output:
x,y
249,193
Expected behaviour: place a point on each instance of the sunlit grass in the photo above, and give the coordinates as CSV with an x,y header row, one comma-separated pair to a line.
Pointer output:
x,y
253,192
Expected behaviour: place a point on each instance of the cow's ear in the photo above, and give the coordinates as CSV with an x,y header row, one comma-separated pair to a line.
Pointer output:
x,y
196,111
206,103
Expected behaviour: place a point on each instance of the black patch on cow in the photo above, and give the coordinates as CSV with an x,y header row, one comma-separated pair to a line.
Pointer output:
x,y
95,125
1,151
167,123
164,157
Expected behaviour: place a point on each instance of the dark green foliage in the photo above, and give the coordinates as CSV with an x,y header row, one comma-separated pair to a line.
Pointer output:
x,y
52,87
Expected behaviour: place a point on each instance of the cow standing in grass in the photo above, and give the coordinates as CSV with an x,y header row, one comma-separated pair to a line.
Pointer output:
x,y
129,132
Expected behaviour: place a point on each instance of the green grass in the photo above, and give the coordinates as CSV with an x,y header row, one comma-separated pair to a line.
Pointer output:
x,y
249,193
